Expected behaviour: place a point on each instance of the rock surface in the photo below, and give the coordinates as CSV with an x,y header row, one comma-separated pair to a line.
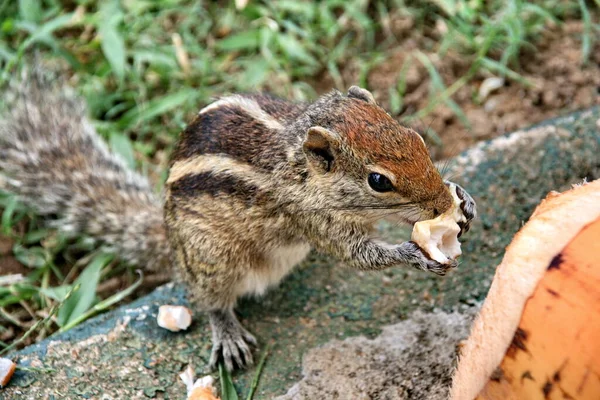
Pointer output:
x,y
124,355
411,359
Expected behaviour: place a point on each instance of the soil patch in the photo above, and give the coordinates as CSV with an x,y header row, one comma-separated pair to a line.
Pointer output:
x,y
559,83
8,264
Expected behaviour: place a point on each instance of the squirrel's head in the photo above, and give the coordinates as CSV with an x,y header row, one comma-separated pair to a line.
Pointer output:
x,y
364,161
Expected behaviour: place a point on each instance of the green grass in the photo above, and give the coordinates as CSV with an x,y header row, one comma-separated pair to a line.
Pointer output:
x,y
146,67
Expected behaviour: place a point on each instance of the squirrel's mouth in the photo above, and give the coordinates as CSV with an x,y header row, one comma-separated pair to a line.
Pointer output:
x,y
407,219
411,222
404,218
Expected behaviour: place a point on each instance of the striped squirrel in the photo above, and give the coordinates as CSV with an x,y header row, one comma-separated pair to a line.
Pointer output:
x,y
255,182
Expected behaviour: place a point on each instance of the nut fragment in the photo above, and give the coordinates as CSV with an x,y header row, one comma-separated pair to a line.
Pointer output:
x,y
202,389
438,237
174,318
7,369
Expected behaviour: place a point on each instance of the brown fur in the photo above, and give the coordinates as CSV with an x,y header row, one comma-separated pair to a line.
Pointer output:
x,y
379,140
239,189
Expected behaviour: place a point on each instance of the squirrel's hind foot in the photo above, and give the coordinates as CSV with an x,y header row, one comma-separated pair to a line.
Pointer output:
x,y
230,341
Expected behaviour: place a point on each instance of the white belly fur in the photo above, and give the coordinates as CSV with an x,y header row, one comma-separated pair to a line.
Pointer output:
x,y
282,261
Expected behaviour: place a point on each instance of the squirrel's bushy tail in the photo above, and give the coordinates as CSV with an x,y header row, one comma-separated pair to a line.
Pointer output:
x,y
53,159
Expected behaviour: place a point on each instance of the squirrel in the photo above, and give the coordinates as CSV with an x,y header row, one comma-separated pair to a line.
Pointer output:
x,y
255,182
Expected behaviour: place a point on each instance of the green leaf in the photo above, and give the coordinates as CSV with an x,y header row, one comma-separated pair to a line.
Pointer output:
x,y
256,73
30,10
439,91
35,236
6,53
227,389
296,8
7,215
248,40
104,304
34,257
113,48
35,326
335,73
154,58
395,100
43,33
57,293
259,369
586,37
121,145
9,300
81,300
112,43
294,49
495,66
155,107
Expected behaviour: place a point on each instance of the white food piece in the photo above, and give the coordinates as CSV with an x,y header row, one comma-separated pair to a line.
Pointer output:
x,y
174,318
202,388
439,236
241,4
7,368
489,85
8,280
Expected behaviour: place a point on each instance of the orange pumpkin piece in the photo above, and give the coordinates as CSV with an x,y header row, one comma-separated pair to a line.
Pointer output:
x,y
538,333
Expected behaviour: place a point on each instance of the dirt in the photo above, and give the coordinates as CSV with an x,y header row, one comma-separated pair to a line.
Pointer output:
x,y
8,264
559,83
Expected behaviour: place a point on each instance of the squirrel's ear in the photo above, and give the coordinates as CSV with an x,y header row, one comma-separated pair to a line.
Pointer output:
x,y
361,94
319,147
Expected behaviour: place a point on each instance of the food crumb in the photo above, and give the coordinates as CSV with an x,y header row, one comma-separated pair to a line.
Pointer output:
x,y
7,369
201,389
174,318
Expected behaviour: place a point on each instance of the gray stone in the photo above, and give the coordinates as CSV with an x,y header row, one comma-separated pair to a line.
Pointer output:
x,y
411,359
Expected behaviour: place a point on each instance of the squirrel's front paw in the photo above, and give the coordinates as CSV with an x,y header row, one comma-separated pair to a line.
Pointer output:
x,y
420,260
467,206
230,343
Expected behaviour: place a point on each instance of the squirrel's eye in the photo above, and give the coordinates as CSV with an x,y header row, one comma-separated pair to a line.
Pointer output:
x,y
380,183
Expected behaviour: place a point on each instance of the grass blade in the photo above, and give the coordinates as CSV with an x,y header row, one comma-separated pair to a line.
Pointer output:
x,y
259,369
58,293
7,215
43,33
35,326
113,45
248,40
444,94
33,257
83,299
153,108
30,10
227,389
586,39
104,304
121,145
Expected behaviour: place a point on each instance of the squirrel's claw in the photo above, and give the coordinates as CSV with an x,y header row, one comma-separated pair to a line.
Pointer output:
x,y
230,342
421,260
233,352
467,206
